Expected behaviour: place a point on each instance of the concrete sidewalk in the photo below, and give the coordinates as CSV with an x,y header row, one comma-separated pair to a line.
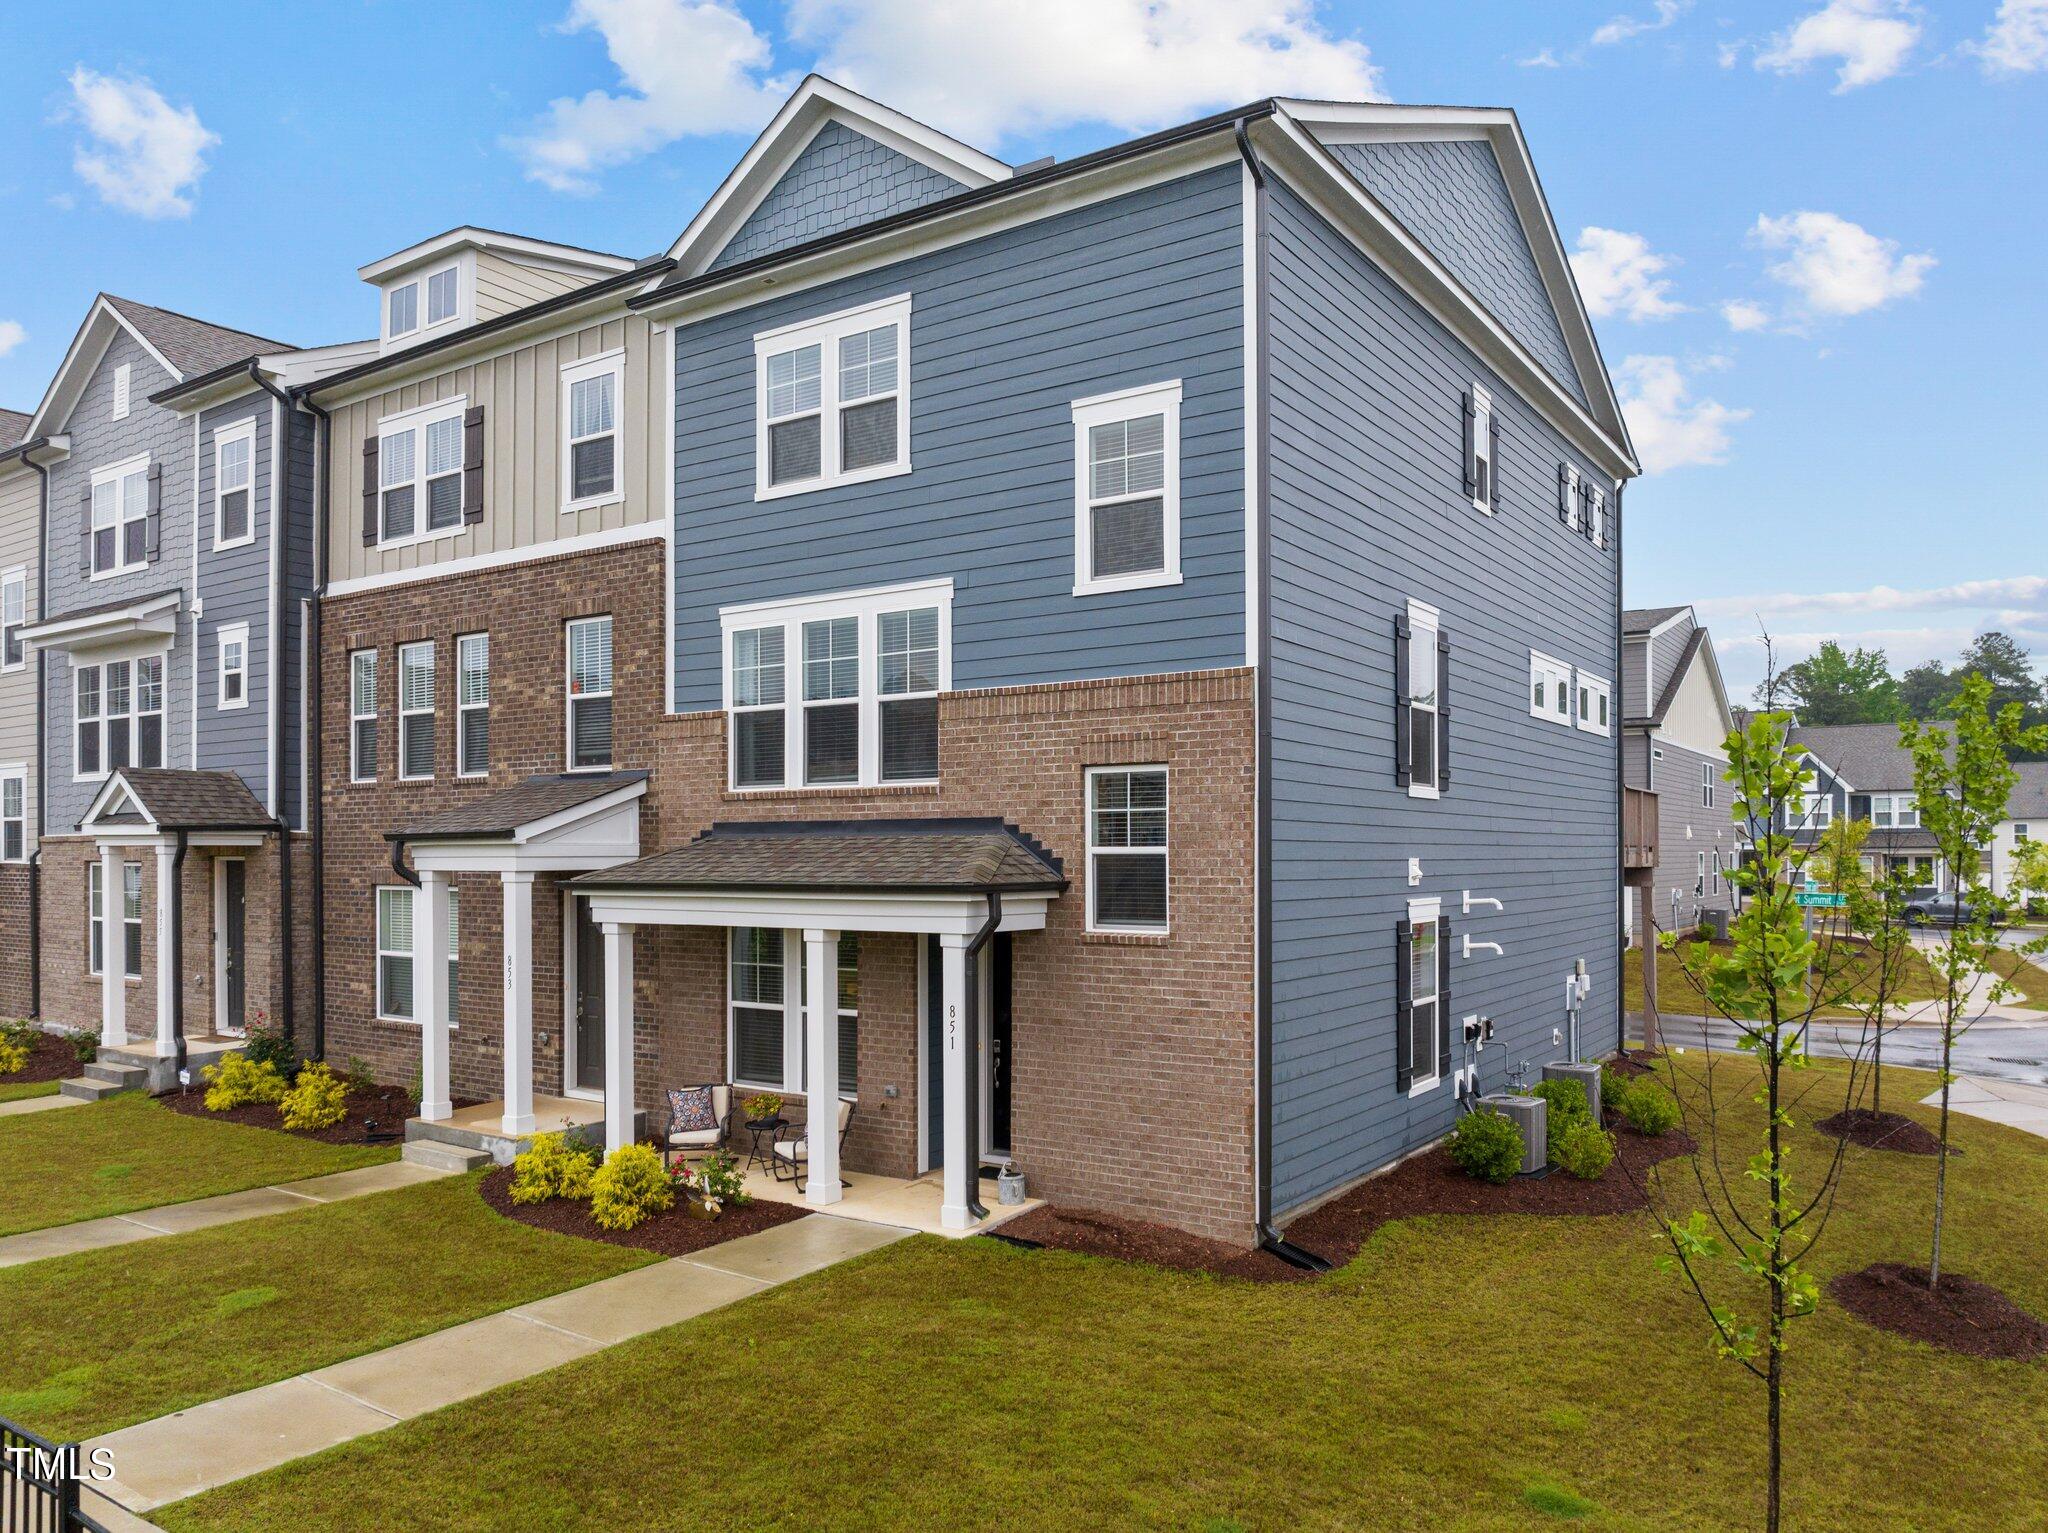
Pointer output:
x,y
180,1455
37,1104
204,1213
2008,1102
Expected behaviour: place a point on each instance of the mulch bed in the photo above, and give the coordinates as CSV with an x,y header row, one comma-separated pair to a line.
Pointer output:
x,y
1883,1131
1962,1315
673,1233
387,1106
1430,1183
1632,1062
50,1058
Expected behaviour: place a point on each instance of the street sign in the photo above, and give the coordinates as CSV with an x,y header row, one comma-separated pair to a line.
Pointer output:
x,y
1820,899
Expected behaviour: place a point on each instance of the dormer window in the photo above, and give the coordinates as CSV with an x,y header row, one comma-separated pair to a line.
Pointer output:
x,y
441,287
442,298
402,306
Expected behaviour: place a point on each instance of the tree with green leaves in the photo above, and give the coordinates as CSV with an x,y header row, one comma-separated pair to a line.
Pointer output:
x,y
2004,662
1838,686
1869,980
1924,691
1962,778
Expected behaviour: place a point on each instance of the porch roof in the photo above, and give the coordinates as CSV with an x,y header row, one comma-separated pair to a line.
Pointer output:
x,y
174,798
503,815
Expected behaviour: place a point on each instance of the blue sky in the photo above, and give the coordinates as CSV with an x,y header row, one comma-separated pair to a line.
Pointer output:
x,y
1849,451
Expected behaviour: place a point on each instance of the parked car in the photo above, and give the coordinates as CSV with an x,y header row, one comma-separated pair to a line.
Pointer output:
x,y
1937,910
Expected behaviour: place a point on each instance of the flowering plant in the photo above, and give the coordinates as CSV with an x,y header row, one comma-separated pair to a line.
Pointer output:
x,y
713,1181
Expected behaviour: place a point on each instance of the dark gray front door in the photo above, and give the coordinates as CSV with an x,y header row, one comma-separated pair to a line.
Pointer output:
x,y
234,922
999,1031
589,1000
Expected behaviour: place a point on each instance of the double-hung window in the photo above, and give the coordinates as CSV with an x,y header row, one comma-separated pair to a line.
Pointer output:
x,y
1127,489
416,711
362,715
118,715
234,469
95,918
833,400
402,310
1419,728
590,694
1550,689
444,289
473,704
131,919
1420,986
1482,446
1596,699
87,759
838,691
419,473
232,687
120,518
765,1039
1907,808
1127,852
13,814
395,908
13,614
1810,811
1709,784
591,411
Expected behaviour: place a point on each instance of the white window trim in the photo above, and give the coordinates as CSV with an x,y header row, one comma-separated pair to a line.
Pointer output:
x,y
417,279
426,282
1430,909
1558,675
614,363
126,922
826,333
794,1058
1815,811
1482,449
1601,688
1093,851
135,713
867,608
1423,619
417,421
116,472
95,916
14,772
15,579
569,700
242,431
416,283
429,712
223,636
355,764
124,391
462,766
380,952
1106,409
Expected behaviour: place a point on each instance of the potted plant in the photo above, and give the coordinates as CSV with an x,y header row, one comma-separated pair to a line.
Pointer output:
x,y
711,1186
762,1107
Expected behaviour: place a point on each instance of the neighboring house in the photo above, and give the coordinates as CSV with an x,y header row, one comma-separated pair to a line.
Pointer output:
x,y
1675,722
21,488
1058,659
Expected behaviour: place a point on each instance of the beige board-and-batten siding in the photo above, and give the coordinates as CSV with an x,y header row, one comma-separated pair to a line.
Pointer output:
x,y
520,390
503,285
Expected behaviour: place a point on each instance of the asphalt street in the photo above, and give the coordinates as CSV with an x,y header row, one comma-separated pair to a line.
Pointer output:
x,y
2005,1050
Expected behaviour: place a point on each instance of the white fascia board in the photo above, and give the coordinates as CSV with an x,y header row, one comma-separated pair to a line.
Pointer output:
x,y
947,913
103,802
149,615
87,347
517,246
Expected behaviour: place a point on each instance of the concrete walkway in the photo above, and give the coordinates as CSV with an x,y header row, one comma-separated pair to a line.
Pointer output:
x,y
2008,1102
204,1213
157,1462
36,1104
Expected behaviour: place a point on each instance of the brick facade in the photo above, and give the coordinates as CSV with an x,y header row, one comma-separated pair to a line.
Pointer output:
x,y
17,989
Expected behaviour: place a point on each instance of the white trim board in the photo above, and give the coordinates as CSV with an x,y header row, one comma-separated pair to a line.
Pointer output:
x,y
584,542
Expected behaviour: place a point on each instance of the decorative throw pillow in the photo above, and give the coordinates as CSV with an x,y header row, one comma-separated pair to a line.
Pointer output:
x,y
690,1110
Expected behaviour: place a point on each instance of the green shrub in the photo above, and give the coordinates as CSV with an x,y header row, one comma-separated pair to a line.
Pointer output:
x,y
270,1045
628,1187
1487,1146
84,1045
359,1075
238,1079
1649,1108
1567,1106
556,1166
318,1099
1583,1150
14,1051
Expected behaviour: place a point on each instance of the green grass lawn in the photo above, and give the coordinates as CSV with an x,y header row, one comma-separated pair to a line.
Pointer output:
x,y
2027,976
14,1091
125,1153
104,1338
1678,994
1460,1373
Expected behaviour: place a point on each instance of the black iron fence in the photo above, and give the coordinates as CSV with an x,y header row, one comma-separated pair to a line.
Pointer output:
x,y
39,1484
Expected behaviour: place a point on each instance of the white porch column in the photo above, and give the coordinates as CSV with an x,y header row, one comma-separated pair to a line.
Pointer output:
x,y
166,945
961,1161
618,1036
821,1040
518,1118
430,991
113,953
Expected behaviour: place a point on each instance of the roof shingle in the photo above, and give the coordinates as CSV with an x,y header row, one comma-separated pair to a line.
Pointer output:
x,y
181,799
191,345
847,856
500,815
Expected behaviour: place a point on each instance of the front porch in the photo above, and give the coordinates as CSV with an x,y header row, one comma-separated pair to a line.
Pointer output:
x,y
913,1203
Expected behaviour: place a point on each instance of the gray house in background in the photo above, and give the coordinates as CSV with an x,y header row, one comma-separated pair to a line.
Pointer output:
x,y
20,569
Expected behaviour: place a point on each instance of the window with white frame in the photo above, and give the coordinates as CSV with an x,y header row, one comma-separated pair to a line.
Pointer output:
x,y
833,400
834,691
473,704
1550,689
13,615
419,473
591,411
444,291
590,693
1596,700
131,919
415,711
231,641
124,383
454,943
362,715
1419,700
402,310
95,918
14,814
1479,449
1906,806
1809,811
1709,784
395,947
1127,849
1127,489
1423,989
1700,873
2021,833
120,518
118,715
765,1039
234,477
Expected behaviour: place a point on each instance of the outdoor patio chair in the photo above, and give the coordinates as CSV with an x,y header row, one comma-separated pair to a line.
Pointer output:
x,y
685,1106
792,1157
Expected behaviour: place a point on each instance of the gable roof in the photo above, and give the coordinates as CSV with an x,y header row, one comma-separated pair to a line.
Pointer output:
x,y
1636,621
1868,757
502,815
182,345
501,241
173,798
2029,799
13,428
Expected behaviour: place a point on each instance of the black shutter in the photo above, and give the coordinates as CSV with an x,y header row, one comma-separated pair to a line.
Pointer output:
x,y
1403,714
1443,710
85,530
1564,493
370,491
153,529
1443,997
1471,454
1493,465
1404,1006
473,464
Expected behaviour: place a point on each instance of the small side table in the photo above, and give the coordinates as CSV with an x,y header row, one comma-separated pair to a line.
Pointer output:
x,y
758,1131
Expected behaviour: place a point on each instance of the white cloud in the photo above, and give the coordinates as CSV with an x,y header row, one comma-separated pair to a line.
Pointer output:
x,y
11,335
1871,38
144,155
1670,428
1619,274
2017,40
1622,28
1542,58
1837,267
687,67
1744,316
1004,67
2030,591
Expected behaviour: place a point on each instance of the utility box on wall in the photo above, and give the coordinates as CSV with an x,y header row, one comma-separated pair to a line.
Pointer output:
x,y
1530,1115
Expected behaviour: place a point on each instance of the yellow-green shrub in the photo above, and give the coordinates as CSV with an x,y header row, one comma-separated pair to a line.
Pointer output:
x,y
318,1099
554,1167
628,1187
13,1056
238,1079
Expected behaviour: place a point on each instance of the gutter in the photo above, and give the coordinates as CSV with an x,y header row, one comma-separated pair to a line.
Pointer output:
x,y
35,863
398,862
1621,812
178,954
314,810
1269,1238
972,1044
279,469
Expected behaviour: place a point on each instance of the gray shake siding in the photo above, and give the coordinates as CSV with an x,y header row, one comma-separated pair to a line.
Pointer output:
x,y
1005,333
234,587
1451,197
1368,511
841,178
